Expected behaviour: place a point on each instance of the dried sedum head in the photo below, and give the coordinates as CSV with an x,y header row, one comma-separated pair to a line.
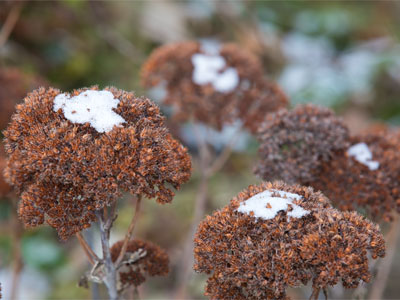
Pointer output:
x,y
255,255
215,84
68,159
368,180
293,144
142,259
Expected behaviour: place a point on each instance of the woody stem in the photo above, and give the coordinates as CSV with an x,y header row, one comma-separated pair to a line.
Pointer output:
x,y
110,278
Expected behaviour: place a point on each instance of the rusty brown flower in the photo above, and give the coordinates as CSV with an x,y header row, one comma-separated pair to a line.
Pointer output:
x,y
231,87
257,255
350,184
294,143
142,259
65,170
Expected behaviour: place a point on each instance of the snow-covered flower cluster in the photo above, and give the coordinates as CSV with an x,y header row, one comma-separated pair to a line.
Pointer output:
x,y
311,146
213,85
73,154
291,236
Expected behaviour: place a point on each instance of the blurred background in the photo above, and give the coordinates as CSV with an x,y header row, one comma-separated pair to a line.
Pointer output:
x,y
345,55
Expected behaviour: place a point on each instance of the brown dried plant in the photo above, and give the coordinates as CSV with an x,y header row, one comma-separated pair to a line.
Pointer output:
x,y
141,259
66,171
250,257
249,101
352,185
294,143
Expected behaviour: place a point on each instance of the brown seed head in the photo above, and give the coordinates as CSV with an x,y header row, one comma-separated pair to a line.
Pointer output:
x,y
249,101
65,171
254,258
352,185
141,259
294,143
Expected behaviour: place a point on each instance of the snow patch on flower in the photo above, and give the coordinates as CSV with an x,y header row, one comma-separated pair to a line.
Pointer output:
x,y
208,69
362,154
94,107
266,206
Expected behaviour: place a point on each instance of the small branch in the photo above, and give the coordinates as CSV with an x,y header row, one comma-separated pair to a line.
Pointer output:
x,y
110,278
10,22
379,285
129,232
17,255
220,161
92,257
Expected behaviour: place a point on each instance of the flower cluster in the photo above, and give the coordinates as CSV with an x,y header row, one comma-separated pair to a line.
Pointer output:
x,y
66,164
294,143
274,235
372,185
214,85
18,84
141,259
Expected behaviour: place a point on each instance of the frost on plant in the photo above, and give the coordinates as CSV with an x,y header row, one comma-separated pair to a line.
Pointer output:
x,y
94,107
293,144
142,259
268,203
65,169
213,84
252,257
363,155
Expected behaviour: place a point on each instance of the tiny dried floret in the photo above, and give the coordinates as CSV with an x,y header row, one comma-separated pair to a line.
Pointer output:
x,y
293,237
293,144
73,154
142,259
5,188
365,176
213,84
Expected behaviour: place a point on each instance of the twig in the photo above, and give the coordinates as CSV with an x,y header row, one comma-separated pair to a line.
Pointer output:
x,y
110,278
92,257
17,258
10,22
129,232
379,284
220,161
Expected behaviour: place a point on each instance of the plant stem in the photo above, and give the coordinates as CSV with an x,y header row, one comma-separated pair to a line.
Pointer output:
x,y
10,22
129,232
110,278
379,285
92,257
17,259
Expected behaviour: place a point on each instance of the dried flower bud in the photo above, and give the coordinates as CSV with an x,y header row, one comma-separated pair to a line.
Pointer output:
x,y
65,170
141,259
255,251
294,143
15,86
370,180
214,86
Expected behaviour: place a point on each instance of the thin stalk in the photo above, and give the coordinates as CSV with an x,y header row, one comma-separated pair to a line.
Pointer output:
x,y
129,232
10,22
380,282
110,278
92,257
17,258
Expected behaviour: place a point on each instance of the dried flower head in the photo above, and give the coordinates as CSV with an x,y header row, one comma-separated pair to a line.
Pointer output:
x,y
365,176
72,154
215,84
294,143
15,84
5,188
141,259
275,235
